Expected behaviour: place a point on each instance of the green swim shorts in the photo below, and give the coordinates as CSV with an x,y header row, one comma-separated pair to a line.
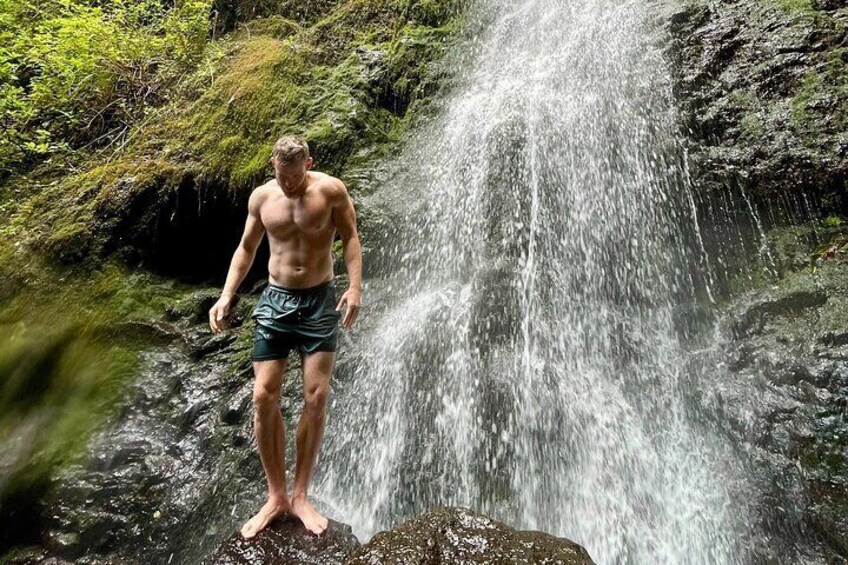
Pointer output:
x,y
295,318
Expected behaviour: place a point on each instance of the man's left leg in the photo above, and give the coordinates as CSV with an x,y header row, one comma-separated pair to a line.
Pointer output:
x,y
317,368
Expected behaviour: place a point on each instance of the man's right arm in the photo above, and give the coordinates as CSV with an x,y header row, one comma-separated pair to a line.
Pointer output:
x,y
241,262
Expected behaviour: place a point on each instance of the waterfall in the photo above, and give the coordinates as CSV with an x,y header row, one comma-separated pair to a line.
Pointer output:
x,y
529,355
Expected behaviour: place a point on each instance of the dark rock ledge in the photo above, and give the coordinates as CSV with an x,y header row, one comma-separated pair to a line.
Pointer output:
x,y
442,536
286,541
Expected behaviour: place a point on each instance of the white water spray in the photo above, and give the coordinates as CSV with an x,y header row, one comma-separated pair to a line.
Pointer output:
x,y
526,361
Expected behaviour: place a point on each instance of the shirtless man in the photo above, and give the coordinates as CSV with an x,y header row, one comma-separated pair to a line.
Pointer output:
x,y
301,210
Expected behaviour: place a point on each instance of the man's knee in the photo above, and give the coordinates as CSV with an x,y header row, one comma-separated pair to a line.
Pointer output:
x,y
265,396
315,398
266,387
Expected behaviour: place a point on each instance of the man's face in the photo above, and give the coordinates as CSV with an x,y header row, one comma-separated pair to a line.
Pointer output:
x,y
290,177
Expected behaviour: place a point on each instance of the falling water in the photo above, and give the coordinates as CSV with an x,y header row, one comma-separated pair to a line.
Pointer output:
x,y
527,356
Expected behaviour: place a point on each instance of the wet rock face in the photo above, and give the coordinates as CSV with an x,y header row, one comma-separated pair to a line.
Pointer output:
x,y
177,469
287,542
790,341
763,93
762,89
458,535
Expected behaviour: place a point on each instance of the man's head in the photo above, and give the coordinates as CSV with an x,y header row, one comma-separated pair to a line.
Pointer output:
x,y
290,159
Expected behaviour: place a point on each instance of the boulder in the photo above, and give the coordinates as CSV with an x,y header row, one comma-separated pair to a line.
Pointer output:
x,y
285,541
458,535
445,535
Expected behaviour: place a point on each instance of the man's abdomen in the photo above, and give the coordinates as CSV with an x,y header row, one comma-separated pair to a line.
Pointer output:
x,y
298,270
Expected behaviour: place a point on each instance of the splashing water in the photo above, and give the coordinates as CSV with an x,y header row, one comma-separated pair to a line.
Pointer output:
x,y
527,359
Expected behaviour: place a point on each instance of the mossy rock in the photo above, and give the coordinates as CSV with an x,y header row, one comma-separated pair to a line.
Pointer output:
x,y
459,535
345,82
100,210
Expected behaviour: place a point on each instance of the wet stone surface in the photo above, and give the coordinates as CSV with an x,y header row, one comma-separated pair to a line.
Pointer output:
x,y
459,535
785,340
762,95
286,542
176,470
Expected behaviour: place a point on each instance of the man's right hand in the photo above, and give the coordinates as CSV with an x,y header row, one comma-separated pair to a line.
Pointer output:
x,y
219,314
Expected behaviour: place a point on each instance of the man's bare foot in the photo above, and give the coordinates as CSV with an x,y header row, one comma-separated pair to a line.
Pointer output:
x,y
303,509
271,510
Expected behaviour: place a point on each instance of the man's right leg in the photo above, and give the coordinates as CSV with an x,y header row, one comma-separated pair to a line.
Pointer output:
x,y
270,439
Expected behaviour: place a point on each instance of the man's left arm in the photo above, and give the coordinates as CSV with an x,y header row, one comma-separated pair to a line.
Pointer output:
x,y
344,217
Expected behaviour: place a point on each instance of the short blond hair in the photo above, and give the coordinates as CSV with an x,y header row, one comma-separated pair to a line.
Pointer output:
x,y
290,148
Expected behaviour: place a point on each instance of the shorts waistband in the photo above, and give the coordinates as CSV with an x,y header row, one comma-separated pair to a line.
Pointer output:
x,y
307,290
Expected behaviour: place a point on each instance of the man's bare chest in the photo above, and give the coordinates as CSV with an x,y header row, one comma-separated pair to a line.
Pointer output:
x,y
284,218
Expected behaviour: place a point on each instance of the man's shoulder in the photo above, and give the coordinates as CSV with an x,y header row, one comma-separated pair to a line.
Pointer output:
x,y
265,190
260,194
266,187
330,186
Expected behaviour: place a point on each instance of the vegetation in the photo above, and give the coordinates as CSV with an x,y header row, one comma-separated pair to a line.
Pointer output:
x,y
78,74
820,98
208,118
796,6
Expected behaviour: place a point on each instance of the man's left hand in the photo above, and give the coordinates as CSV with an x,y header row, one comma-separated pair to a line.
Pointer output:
x,y
350,300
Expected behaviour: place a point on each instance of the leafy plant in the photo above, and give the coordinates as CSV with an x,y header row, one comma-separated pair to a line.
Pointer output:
x,y
837,247
77,73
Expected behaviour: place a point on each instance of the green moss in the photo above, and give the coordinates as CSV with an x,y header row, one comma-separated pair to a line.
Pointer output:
x,y
87,215
228,13
107,295
434,13
751,128
809,88
746,102
241,349
795,6
822,96
355,22
24,554
345,83
271,86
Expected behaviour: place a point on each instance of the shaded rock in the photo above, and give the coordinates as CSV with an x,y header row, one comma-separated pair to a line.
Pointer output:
x,y
153,332
190,415
30,555
789,339
195,306
239,406
258,287
762,96
792,303
65,543
123,455
215,343
833,339
285,541
458,535
100,533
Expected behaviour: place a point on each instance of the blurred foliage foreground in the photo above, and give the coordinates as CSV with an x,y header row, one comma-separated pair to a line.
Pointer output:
x,y
66,351
73,75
